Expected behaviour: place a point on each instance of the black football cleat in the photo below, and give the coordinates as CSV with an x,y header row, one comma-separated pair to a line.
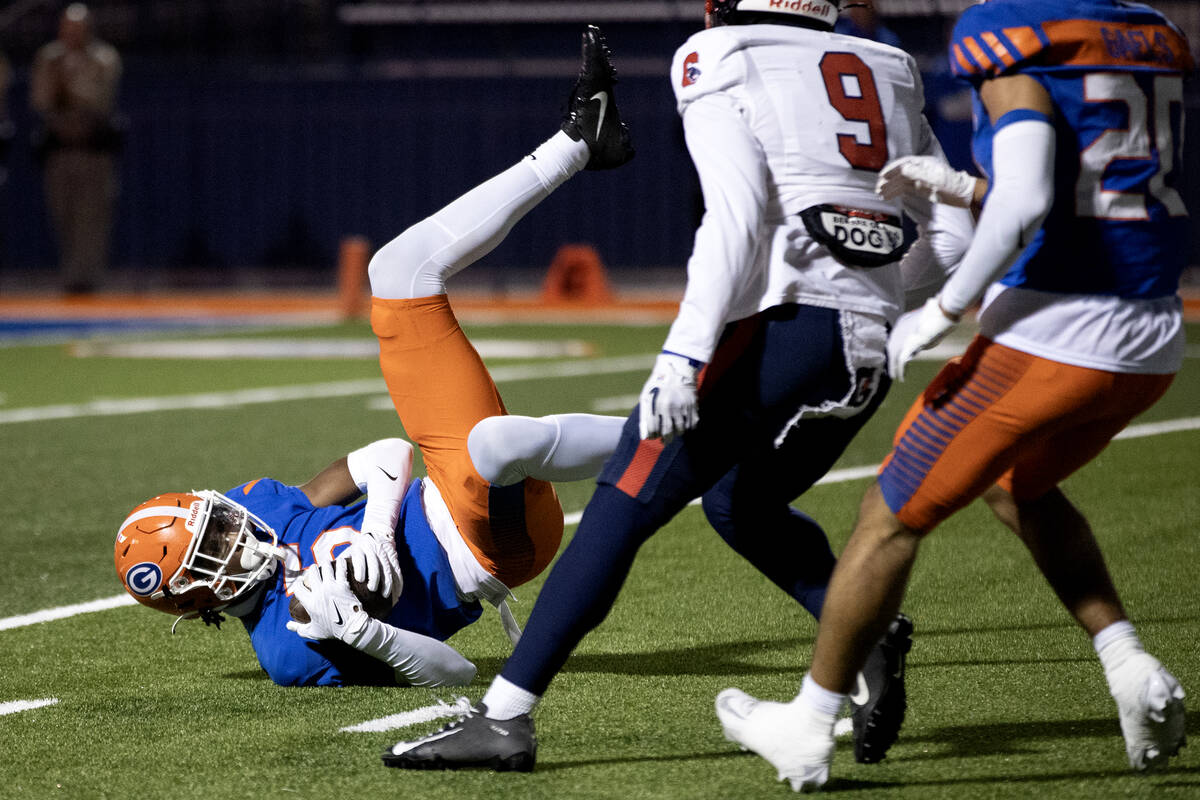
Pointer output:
x,y
592,114
879,701
471,742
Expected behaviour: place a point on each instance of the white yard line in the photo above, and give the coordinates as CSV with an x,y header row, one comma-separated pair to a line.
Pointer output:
x,y
607,405
1158,428
284,348
17,706
62,612
311,391
405,718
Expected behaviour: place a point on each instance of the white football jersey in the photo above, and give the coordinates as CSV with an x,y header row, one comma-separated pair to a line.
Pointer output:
x,y
779,119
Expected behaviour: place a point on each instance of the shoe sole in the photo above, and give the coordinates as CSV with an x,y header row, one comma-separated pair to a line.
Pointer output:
x,y
520,762
874,744
872,747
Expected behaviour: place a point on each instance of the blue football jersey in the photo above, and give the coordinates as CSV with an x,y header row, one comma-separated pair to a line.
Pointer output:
x,y
1114,71
428,603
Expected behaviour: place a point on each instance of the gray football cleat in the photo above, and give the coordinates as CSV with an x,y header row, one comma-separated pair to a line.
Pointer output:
x,y
471,742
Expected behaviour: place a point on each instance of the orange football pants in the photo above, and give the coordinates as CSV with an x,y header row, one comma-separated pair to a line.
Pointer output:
x,y
441,389
1000,416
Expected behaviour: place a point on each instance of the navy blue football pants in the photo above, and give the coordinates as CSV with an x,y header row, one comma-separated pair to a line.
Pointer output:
x,y
764,370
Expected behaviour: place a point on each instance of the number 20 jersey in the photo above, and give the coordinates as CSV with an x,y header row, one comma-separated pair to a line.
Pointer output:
x,y
1114,70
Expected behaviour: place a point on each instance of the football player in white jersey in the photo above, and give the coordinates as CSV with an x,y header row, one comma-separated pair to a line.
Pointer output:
x,y
777,356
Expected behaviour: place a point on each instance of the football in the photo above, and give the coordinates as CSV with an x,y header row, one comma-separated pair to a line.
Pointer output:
x,y
377,604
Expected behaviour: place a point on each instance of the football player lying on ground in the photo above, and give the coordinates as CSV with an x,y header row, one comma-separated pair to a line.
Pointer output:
x,y
428,550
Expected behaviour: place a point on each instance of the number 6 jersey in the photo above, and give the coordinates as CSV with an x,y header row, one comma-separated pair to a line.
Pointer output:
x,y
783,120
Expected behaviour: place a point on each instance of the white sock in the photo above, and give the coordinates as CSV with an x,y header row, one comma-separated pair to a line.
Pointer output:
x,y
557,159
1116,643
558,447
819,698
505,700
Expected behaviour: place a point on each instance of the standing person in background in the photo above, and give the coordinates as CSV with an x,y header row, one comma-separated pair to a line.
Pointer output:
x,y
6,125
7,132
73,89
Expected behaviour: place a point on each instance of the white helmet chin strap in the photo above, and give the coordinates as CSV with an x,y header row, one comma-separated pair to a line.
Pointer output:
x,y
255,553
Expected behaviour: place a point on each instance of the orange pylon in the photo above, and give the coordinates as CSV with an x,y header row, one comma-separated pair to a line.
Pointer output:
x,y
353,256
577,275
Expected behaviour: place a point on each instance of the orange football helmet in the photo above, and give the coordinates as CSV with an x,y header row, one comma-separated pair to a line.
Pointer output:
x,y
194,554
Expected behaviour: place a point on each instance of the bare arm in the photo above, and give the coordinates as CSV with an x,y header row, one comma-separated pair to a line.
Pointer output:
x,y
1001,95
331,486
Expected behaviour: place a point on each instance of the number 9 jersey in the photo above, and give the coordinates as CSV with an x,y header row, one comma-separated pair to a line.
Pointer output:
x,y
1118,226
781,121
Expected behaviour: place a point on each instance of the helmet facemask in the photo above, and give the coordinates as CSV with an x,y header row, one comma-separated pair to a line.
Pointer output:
x,y
231,551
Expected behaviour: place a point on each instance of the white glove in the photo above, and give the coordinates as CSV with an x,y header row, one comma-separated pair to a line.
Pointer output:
x,y
668,403
926,176
334,611
916,331
373,554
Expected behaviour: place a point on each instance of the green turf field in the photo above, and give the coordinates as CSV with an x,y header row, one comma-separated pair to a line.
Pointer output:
x,y
1006,696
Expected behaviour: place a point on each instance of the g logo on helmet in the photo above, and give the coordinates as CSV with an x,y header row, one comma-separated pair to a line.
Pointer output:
x,y
144,579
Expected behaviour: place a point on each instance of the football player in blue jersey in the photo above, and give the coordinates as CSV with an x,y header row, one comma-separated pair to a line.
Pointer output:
x,y
1077,258
424,552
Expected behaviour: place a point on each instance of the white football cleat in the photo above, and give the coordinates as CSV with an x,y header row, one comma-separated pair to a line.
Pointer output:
x,y
1150,702
796,739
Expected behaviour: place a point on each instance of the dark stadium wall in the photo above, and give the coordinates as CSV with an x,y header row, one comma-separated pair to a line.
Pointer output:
x,y
230,171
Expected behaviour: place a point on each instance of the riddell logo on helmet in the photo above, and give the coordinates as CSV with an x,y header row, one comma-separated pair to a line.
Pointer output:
x,y
821,9
193,515
803,6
